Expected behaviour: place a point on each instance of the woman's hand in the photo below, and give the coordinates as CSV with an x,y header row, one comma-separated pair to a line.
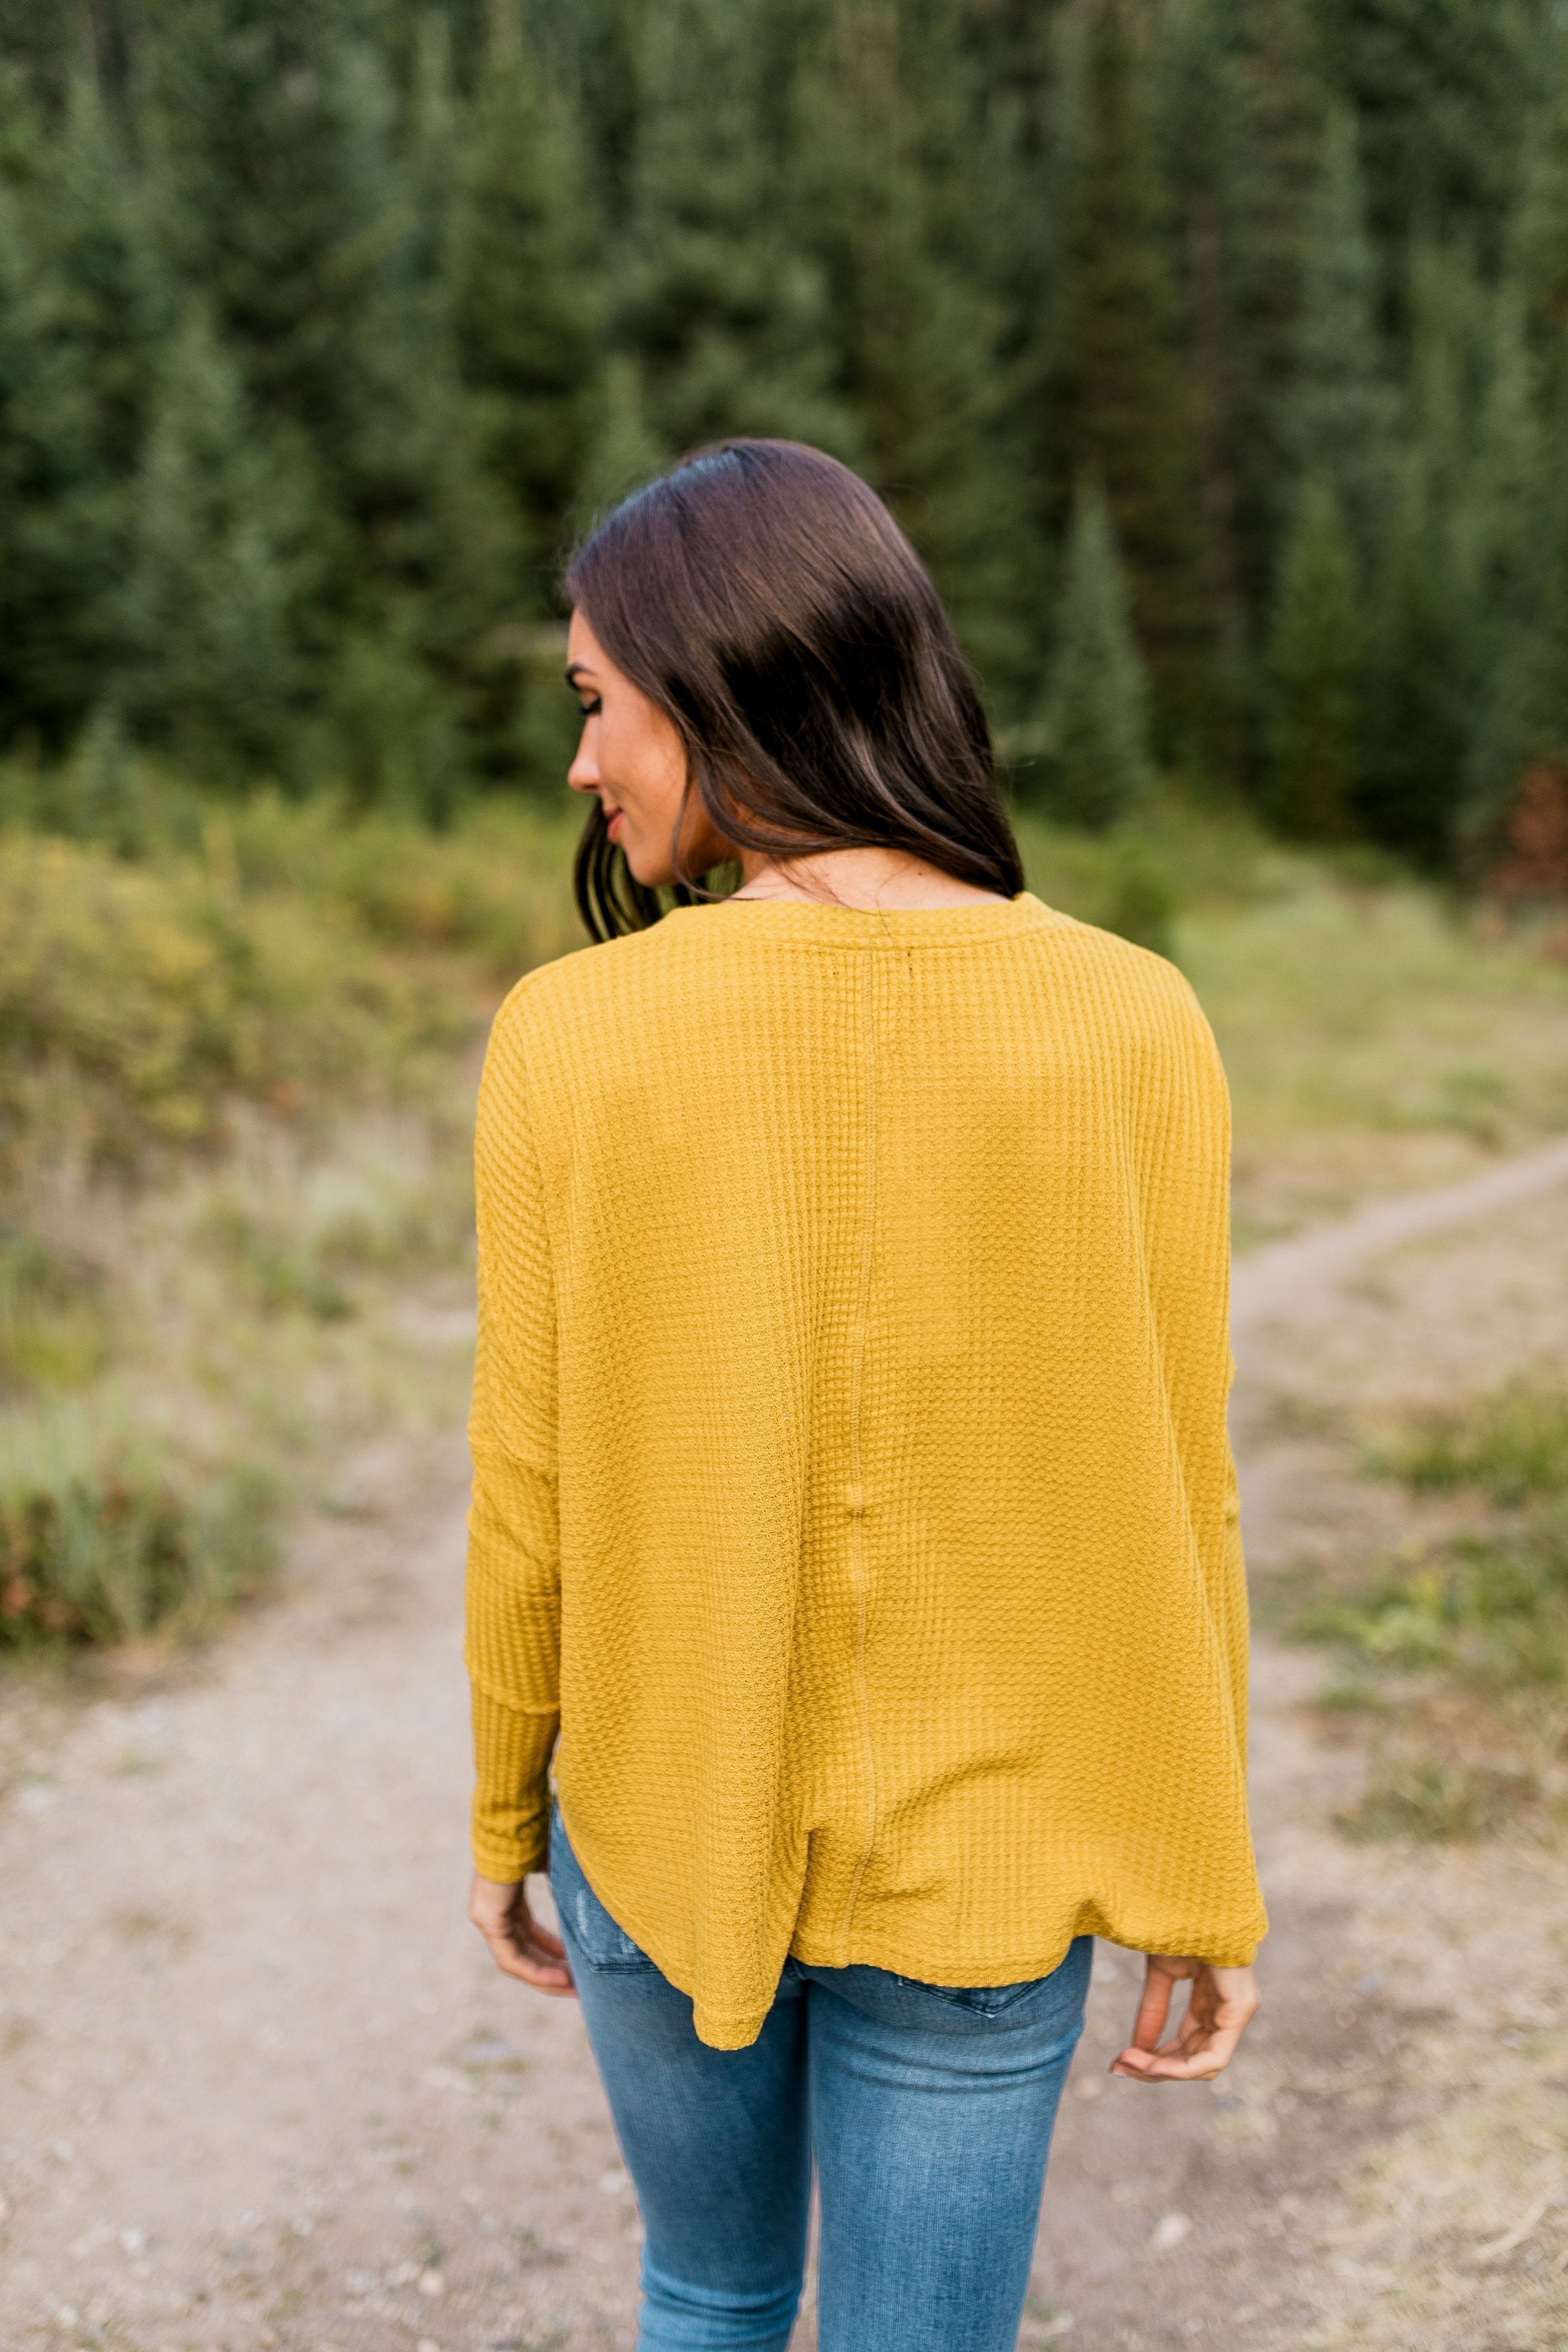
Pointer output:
x,y
1222,2004
519,1945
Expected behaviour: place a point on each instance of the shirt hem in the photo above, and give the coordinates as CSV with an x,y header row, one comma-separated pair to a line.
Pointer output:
x,y
1236,1950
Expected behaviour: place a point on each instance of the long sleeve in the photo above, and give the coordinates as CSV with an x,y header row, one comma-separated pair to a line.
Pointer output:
x,y
1231,1584
1186,1235
513,1650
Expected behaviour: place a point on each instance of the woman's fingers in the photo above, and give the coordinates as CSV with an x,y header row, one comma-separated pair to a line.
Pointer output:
x,y
1198,2063
519,1945
1161,1976
531,1967
1222,2003
1153,2007
544,1957
527,1960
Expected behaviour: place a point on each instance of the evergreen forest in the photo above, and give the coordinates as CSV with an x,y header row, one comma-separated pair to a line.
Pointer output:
x,y
1214,353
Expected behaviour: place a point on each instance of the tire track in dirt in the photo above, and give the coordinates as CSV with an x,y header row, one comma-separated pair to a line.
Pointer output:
x,y
1288,1278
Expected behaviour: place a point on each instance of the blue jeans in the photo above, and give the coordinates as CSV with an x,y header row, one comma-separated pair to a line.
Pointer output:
x,y
928,2112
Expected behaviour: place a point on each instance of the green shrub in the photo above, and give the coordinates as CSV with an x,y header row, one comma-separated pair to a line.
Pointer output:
x,y
55,1328
1489,1610
1138,877
158,975
1431,1799
1140,903
106,1541
498,885
107,792
1508,1445
134,1002
275,1270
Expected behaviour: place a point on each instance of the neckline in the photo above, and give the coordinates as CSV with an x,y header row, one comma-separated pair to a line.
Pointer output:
x,y
818,925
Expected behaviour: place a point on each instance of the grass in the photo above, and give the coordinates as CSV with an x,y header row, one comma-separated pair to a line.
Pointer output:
x,y
246,1329
53,1332
1509,1445
1460,1644
1489,1610
1375,1041
1383,1010
309,1236
104,1538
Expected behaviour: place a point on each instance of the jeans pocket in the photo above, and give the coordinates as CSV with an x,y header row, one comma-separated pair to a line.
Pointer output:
x,y
984,2000
596,1937
1036,2001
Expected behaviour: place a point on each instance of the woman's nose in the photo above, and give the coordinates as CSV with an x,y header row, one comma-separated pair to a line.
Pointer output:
x,y
583,775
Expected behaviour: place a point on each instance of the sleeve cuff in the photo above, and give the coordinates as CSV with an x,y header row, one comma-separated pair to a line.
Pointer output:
x,y
512,1747
506,1856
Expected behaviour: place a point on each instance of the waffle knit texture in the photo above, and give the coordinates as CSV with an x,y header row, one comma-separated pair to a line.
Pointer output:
x,y
853,1519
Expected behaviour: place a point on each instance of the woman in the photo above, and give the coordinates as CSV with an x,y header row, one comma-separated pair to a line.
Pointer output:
x,y
854,1521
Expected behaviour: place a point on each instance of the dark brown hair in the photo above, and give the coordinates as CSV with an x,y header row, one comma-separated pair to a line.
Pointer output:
x,y
763,598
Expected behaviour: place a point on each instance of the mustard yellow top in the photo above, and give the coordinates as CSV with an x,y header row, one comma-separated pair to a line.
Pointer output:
x,y
851,1485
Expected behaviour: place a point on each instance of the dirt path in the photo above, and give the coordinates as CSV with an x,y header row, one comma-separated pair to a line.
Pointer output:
x,y
260,2087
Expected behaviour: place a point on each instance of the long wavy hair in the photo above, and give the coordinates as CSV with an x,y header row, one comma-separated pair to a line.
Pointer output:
x,y
763,597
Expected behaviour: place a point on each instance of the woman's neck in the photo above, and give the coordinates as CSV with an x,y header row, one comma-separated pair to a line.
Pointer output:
x,y
874,880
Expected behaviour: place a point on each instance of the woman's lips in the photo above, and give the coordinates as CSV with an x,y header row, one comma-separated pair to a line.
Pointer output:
x,y
611,822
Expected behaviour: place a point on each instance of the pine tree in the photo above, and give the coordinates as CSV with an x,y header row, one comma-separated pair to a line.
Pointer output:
x,y
1121,408
1315,659
315,214
117,303
898,179
41,45
61,552
1097,721
1537,258
221,558
1274,177
725,314
1206,107
323,320
1344,409
1423,684
528,304
622,451
390,734
1523,485
1446,89
270,126
1198,111
446,557
593,50
1519,494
